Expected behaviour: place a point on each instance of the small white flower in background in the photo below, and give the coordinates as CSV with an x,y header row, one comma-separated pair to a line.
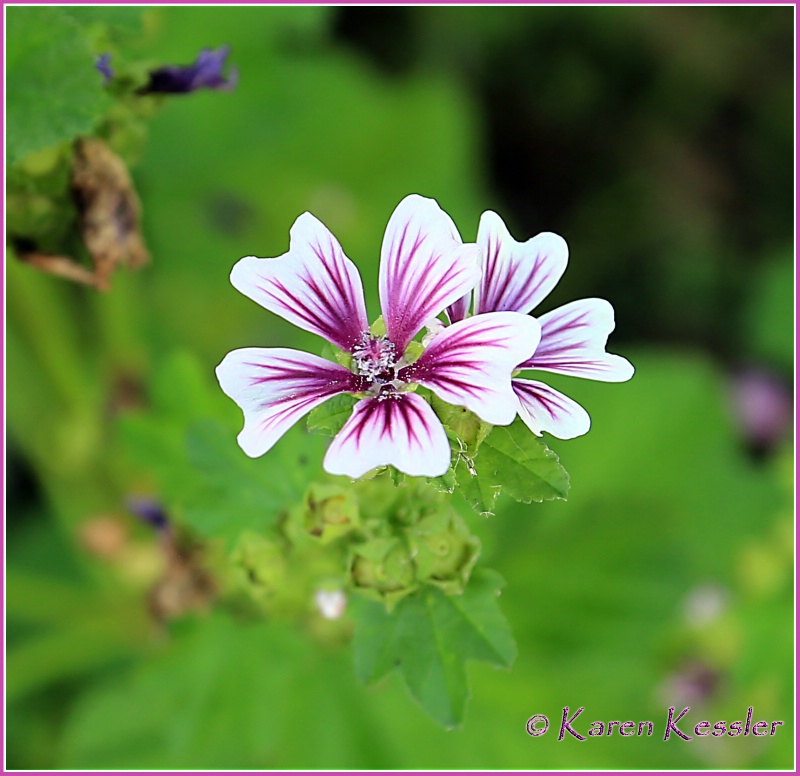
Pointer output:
x,y
424,268
330,603
517,277
705,604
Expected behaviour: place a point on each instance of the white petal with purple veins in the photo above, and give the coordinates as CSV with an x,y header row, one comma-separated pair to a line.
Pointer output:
x,y
275,387
516,276
400,430
458,311
469,364
314,286
542,408
574,343
425,267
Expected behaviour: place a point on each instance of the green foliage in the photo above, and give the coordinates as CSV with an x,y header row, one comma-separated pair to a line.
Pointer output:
x,y
208,699
522,465
429,636
54,92
186,440
768,329
487,461
332,415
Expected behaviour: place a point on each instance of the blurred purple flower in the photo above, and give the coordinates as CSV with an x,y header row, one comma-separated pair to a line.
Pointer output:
x,y
694,683
762,406
149,511
204,73
103,66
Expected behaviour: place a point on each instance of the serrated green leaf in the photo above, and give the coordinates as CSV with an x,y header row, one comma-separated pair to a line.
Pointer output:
x,y
479,492
332,415
446,483
54,92
512,459
429,636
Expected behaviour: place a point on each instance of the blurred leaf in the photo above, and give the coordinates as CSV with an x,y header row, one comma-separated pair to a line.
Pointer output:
x,y
514,461
91,640
121,19
232,492
54,92
430,636
769,321
211,699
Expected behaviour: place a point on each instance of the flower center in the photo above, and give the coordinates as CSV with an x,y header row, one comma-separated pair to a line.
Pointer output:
x,y
374,358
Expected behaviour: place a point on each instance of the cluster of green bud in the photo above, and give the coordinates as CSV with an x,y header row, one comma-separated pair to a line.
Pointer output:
x,y
373,537
327,513
259,565
418,539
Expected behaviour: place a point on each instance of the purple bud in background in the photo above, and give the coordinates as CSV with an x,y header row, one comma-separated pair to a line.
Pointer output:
x,y
762,407
103,66
204,73
149,511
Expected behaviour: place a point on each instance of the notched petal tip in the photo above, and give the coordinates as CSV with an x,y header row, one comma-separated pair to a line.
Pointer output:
x,y
425,267
314,286
542,408
516,276
573,343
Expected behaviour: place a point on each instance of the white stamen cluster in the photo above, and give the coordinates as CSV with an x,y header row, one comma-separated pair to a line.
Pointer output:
x,y
373,356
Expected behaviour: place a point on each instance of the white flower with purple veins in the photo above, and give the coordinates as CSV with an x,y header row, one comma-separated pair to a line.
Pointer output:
x,y
517,277
424,269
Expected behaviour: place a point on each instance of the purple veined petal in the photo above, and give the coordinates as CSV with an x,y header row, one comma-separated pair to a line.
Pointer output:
x,y
275,387
469,364
399,430
459,309
516,276
425,267
574,343
314,286
542,408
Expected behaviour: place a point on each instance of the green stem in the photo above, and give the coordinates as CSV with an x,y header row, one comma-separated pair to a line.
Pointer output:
x,y
39,310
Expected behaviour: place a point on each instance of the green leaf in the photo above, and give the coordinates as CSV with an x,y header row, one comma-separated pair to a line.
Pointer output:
x,y
463,427
429,636
479,492
516,462
332,415
54,92
189,446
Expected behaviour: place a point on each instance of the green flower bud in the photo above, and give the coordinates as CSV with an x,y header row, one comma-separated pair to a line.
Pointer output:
x,y
383,569
444,551
260,565
326,513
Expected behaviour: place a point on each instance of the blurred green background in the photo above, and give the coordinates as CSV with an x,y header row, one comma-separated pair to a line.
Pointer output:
x,y
658,141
